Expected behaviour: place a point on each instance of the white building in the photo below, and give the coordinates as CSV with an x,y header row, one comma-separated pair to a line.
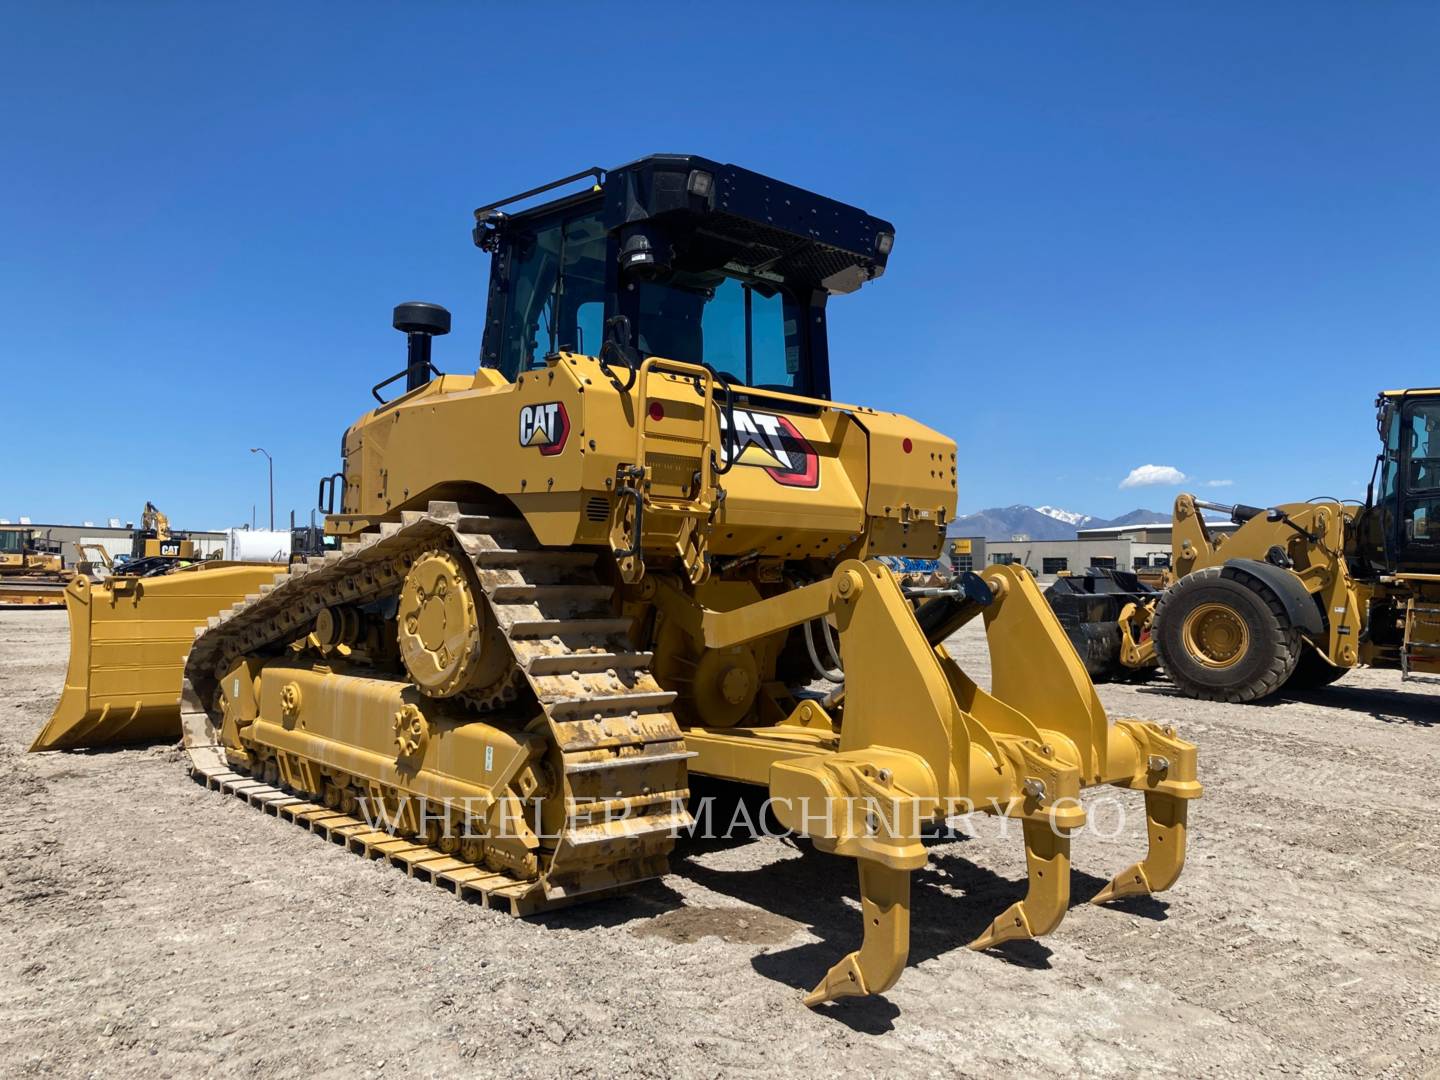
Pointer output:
x,y
1115,547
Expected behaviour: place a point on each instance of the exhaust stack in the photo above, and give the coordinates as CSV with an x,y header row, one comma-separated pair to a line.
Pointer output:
x,y
419,322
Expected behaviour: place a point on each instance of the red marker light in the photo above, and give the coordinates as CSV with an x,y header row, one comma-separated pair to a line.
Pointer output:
x,y
657,411
907,446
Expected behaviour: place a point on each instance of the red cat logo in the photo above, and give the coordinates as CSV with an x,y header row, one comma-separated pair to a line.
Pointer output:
x,y
545,426
770,442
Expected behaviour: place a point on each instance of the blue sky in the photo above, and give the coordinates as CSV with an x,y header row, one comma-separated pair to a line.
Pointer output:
x,y
1194,236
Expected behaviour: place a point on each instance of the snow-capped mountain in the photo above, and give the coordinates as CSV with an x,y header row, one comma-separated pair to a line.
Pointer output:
x,y
1067,516
1041,522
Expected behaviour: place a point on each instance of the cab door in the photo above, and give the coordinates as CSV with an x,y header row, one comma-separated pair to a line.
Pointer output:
x,y
1417,524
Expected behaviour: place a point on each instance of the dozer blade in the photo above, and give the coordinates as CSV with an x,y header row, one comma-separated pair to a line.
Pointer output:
x,y
128,641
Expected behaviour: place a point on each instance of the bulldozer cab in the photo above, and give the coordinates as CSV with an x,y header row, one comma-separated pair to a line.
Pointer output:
x,y
14,545
1403,521
679,257
22,549
15,541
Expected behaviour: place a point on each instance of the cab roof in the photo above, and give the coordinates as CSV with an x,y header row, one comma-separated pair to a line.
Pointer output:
x,y
770,224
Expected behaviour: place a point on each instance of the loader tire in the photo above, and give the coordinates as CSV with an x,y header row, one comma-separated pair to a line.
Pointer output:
x,y
1313,672
1221,636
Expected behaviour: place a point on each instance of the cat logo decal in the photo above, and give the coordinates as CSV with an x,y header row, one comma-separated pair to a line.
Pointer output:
x,y
545,426
770,442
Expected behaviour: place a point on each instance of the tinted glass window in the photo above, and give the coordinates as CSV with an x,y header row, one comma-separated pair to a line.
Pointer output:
x,y
750,332
1421,434
529,307
774,341
555,299
1420,454
581,308
723,330
1422,521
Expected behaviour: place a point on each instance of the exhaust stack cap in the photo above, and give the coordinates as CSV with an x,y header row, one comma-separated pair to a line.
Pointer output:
x,y
418,317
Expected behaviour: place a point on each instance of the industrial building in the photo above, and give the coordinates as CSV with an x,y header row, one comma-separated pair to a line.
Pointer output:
x,y
964,553
1115,547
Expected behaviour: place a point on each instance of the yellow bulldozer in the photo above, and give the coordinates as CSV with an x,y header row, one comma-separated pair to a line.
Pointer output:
x,y
32,569
1298,594
639,544
22,553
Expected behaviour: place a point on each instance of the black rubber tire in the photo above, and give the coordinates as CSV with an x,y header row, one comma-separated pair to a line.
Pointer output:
x,y
1274,644
1313,672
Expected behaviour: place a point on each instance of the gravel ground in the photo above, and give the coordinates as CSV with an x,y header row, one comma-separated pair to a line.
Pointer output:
x,y
149,927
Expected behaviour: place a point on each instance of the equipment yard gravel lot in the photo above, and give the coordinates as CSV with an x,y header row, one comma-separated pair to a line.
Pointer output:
x,y
151,927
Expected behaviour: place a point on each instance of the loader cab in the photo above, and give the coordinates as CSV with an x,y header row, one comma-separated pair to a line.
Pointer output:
x,y
1403,520
681,257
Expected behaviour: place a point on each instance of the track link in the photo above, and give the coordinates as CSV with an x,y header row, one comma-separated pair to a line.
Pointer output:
x,y
623,756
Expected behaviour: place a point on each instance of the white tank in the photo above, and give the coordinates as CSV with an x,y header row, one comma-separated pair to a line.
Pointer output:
x,y
257,545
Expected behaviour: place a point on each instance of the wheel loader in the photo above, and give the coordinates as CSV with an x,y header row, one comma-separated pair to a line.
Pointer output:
x,y
1299,593
639,543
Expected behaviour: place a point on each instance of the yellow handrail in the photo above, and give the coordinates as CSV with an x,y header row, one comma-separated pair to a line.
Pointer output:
x,y
709,429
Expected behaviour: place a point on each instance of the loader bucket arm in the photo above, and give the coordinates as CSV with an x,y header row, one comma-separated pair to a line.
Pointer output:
x,y
1106,615
920,742
128,641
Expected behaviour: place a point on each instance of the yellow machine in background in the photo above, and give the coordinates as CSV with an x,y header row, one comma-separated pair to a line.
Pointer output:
x,y
32,570
1301,593
129,637
93,560
21,552
620,554
155,547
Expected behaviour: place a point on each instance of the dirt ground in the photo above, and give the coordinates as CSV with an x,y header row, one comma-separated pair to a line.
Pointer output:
x,y
150,927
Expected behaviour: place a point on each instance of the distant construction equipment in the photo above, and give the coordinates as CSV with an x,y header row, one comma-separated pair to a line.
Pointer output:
x,y
32,569
1299,594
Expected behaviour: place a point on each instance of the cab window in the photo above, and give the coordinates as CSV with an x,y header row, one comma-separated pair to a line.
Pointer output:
x,y
1421,438
749,330
555,293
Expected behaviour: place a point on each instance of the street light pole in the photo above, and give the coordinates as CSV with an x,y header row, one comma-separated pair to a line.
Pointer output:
x,y
262,450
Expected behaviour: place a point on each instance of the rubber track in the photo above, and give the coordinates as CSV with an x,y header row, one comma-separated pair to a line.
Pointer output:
x,y
623,755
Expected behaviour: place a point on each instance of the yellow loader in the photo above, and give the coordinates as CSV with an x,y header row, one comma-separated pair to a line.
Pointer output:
x,y
641,543
1298,594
